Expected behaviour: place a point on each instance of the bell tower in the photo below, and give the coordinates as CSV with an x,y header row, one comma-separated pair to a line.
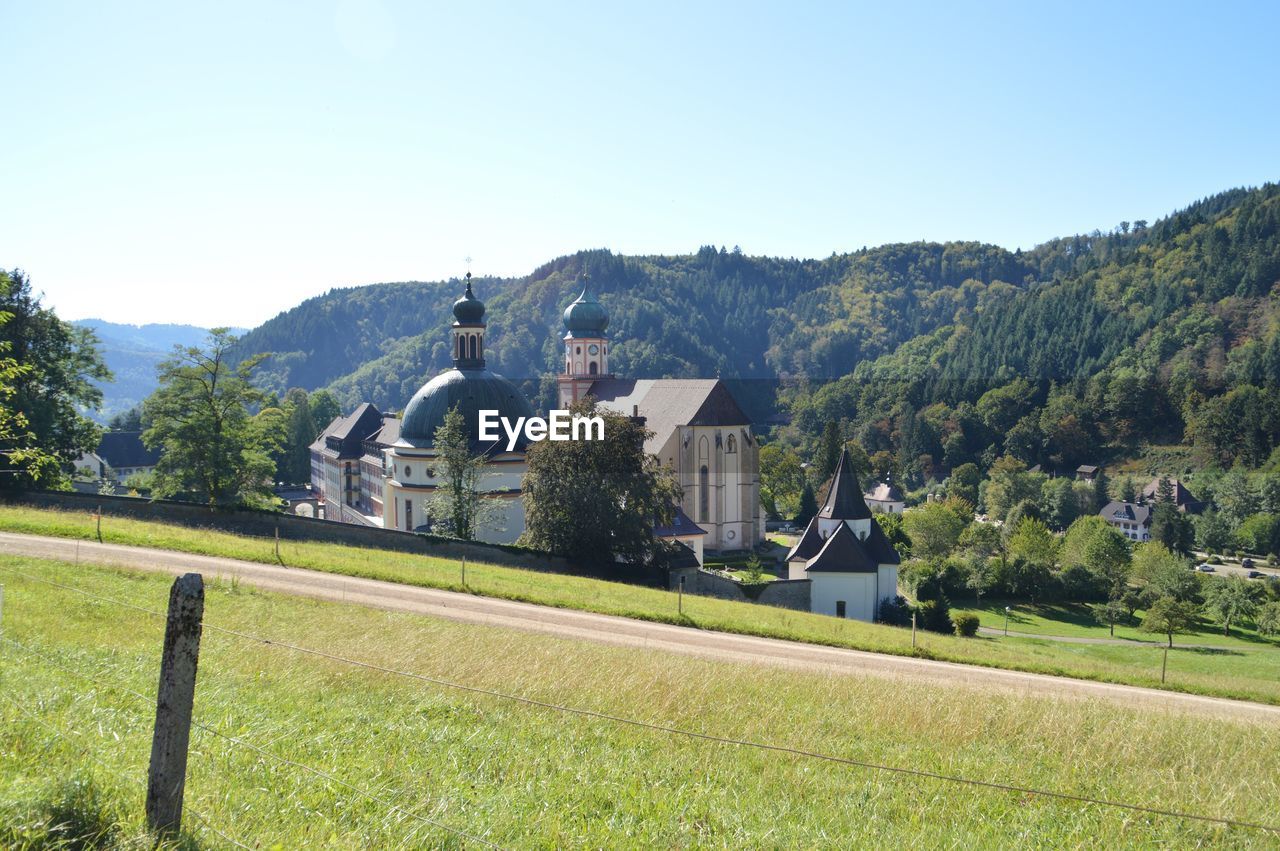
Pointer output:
x,y
468,330
586,348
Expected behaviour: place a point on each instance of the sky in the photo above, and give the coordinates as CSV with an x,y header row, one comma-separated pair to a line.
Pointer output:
x,y
215,164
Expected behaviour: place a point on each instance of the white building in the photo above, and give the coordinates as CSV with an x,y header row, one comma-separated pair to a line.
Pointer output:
x,y
885,497
410,462
845,555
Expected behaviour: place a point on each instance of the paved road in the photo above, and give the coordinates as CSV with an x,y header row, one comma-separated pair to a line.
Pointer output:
x,y
606,629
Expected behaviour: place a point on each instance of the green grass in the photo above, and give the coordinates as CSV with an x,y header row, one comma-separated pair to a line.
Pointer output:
x,y
1252,673
1076,620
526,777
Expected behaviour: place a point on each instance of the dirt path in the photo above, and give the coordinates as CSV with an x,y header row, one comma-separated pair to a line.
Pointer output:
x,y
623,632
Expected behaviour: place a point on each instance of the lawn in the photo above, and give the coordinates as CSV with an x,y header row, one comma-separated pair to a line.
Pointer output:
x,y
1250,673
1076,620
528,777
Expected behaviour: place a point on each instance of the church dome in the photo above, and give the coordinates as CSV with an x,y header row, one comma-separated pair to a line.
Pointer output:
x,y
470,391
585,317
468,310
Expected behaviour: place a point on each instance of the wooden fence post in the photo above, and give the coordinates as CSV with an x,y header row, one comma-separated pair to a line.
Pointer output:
x,y
175,696
99,524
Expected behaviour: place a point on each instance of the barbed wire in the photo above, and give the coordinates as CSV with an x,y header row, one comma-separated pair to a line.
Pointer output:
x,y
710,737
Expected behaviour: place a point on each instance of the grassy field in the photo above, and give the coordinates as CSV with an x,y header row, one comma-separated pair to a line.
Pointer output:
x,y
1076,621
1250,672
527,777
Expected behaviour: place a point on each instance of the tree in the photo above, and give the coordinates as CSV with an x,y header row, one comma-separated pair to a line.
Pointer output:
x,y
1033,542
1160,573
1235,497
1228,600
1093,544
597,501
829,450
1168,616
1213,533
980,576
1111,612
213,450
964,481
1172,528
49,375
781,480
1128,491
459,507
1101,490
300,433
1060,503
1268,619
808,505
1008,484
891,525
934,529
1259,534
324,407
130,420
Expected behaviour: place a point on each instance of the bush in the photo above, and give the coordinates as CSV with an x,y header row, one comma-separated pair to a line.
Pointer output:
x,y
966,624
935,615
894,611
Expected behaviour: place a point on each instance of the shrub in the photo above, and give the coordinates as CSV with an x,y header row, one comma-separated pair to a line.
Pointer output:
x,y
894,611
935,615
966,624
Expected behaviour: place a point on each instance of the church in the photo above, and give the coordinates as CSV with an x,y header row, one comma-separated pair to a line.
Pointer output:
x,y
699,431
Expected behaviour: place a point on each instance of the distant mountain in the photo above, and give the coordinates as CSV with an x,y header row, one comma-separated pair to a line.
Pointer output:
x,y
132,352
938,353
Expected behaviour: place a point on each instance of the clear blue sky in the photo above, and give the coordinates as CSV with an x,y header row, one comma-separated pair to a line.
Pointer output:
x,y
219,162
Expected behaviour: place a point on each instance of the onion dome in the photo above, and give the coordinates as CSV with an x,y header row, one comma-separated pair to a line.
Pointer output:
x,y
470,391
468,310
585,317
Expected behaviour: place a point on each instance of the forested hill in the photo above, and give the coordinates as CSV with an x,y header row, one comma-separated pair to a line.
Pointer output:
x,y
1135,334
716,312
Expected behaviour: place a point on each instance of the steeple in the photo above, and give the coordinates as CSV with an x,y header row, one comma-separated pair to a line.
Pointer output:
x,y
468,330
844,500
586,348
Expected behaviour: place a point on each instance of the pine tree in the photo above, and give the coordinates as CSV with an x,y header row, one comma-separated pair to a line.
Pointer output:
x,y
829,450
808,506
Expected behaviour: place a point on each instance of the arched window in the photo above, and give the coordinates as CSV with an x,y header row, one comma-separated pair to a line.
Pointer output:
x,y
591,368
462,346
704,497
702,447
472,345
731,445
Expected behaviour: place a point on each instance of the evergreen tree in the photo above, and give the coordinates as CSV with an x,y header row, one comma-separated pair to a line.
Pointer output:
x,y
301,433
829,450
1101,490
808,506
459,507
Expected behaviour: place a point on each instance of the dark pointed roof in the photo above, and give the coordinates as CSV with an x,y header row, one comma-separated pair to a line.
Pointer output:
x,y
842,553
809,544
845,500
681,526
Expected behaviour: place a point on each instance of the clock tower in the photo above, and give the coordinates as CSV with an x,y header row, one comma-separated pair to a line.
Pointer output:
x,y
586,348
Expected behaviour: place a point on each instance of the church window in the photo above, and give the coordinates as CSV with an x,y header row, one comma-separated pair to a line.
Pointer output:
x,y
578,350
472,345
704,498
462,346
731,445
702,447
408,515
592,368
407,474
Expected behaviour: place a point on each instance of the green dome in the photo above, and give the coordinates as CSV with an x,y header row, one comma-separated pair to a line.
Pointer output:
x,y
470,391
468,310
585,317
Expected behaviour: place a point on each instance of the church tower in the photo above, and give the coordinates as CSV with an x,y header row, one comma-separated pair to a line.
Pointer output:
x,y
586,348
468,330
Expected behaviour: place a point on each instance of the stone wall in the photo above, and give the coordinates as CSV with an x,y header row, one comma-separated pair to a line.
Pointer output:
x,y
264,524
784,593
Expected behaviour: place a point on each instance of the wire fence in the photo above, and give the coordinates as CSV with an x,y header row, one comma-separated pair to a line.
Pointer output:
x,y
669,730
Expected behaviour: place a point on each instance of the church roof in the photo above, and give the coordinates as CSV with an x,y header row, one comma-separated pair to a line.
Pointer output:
x,y
681,526
875,549
585,317
470,391
1181,496
842,553
808,545
668,403
844,500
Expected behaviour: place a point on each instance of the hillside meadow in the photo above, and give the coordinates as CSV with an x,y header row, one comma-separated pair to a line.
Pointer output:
x,y
1239,669
439,759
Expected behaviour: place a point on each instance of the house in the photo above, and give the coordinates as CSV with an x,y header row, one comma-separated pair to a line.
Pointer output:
x,y
1131,519
851,566
125,454
885,497
1182,498
1087,473
682,530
